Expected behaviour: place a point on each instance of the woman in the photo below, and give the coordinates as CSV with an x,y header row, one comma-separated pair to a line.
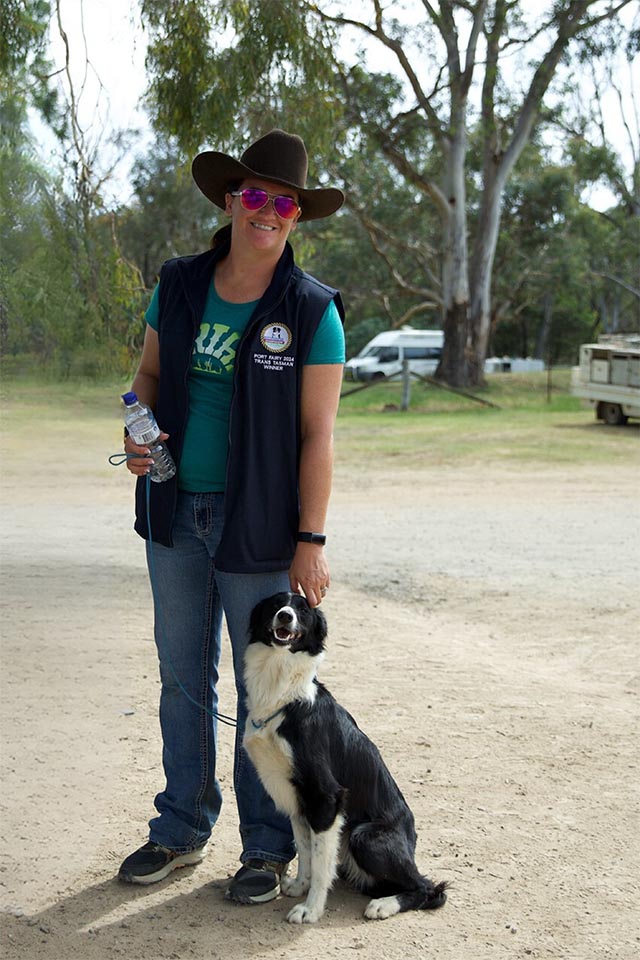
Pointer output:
x,y
242,363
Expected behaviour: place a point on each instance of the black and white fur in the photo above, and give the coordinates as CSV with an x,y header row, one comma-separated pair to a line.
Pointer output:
x,y
347,812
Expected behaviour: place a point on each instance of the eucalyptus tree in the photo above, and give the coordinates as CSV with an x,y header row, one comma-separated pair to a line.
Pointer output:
x,y
224,70
594,110
68,296
25,68
541,303
167,215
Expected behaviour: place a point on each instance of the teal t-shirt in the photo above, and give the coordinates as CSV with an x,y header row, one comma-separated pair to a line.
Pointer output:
x,y
203,463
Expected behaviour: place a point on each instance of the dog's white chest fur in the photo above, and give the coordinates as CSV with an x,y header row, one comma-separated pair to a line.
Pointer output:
x,y
274,678
271,756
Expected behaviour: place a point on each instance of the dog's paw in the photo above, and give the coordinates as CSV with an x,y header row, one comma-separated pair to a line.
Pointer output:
x,y
301,913
294,886
382,909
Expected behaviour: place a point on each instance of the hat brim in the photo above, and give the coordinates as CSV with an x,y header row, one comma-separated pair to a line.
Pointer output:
x,y
214,171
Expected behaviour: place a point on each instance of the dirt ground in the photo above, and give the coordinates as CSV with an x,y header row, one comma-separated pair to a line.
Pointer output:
x,y
483,631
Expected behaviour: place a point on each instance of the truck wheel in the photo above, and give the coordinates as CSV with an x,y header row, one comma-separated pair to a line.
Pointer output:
x,y
612,414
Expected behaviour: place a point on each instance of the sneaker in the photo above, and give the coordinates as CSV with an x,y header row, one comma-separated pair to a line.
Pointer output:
x,y
257,881
153,862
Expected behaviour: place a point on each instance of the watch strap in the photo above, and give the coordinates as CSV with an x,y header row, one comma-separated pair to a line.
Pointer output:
x,y
305,536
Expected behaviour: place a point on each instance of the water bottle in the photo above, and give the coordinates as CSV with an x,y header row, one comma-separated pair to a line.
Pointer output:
x,y
143,430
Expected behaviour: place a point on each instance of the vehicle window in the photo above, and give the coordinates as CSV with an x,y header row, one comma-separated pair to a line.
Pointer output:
x,y
387,354
422,353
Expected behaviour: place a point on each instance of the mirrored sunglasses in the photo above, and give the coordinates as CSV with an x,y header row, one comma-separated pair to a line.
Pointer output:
x,y
252,198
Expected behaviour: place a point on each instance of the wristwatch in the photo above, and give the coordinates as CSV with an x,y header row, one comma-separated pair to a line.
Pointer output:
x,y
305,537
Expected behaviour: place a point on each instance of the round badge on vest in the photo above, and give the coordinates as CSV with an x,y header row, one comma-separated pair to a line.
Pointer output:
x,y
276,337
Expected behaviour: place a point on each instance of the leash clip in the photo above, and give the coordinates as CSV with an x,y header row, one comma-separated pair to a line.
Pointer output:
x,y
261,724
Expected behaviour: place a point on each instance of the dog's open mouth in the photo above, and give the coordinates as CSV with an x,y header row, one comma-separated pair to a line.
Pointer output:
x,y
283,636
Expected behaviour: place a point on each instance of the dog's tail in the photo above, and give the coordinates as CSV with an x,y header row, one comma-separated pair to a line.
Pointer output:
x,y
425,896
433,895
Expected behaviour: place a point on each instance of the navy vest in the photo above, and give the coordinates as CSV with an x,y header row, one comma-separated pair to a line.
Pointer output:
x,y
261,504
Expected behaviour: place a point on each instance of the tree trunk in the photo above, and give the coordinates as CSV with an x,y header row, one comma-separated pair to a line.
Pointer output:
x,y
484,253
544,334
454,362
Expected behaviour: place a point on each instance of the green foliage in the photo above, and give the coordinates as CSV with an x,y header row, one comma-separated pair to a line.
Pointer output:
x,y
551,291
386,224
23,28
25,66
226,70
68,299
592,162
359,334
238,68
168,217
75,278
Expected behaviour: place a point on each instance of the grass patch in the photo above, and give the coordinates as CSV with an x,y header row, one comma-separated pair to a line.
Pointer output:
x,y
414,440
439,428
505,390
534,420
29,399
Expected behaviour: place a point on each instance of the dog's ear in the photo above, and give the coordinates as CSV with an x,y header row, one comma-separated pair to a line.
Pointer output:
x,y
258,620
318,630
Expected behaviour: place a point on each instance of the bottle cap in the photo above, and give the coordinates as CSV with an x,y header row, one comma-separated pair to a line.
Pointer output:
x,y
129,398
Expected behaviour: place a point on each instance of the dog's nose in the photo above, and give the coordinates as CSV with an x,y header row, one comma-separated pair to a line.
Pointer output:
x,y
284,616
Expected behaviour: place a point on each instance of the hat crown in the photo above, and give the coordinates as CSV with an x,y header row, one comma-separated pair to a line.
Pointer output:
x,y
278,156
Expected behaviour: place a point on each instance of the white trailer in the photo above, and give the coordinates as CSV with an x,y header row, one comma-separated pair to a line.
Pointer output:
x,y
608,377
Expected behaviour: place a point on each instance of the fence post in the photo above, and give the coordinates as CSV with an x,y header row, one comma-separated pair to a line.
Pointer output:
x,y
406,385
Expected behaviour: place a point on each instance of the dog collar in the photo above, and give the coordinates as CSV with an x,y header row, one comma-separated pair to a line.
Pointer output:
x,y
261,724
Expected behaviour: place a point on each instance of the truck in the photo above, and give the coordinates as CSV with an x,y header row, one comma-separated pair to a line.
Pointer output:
x,y
383,356
608,377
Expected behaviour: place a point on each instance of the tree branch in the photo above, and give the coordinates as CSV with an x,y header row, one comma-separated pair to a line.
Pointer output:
x,y
607,15
391,43
621,283
569,24
470,56
375,230
402,165
416,309
487,103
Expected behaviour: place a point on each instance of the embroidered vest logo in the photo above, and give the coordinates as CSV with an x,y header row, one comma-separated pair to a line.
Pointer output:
x,y
276,337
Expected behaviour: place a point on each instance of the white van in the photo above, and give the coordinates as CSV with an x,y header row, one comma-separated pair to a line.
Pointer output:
x,y
383,356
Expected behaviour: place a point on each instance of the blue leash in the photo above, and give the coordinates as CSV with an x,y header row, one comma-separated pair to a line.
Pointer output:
x,y
116,460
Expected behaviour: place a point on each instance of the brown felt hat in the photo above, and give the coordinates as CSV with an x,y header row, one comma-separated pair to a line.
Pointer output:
x,y
278,156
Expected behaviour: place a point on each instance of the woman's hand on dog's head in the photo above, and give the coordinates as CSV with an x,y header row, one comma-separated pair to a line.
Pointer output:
x,y
309,572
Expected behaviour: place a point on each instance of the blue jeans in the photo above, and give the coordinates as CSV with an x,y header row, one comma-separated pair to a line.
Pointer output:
x,y
190,596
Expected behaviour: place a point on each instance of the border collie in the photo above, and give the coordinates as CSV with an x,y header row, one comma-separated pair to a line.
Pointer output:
x,y
347,812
